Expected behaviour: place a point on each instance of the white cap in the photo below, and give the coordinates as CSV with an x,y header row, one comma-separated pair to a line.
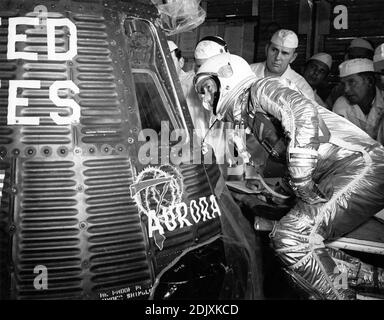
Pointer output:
x,y
324,58
172,46
285,38
354,66
207,48
360,43
378,58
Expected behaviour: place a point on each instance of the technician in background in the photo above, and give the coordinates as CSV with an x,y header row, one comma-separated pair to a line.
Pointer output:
x,y
358,48
362,101
280,53
316,71
200,116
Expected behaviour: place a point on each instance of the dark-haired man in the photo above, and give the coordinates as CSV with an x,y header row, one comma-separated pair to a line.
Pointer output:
x,y
200,117
358,48
316,71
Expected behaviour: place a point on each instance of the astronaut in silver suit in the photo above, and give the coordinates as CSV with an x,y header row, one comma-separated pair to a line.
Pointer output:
x,y
335,170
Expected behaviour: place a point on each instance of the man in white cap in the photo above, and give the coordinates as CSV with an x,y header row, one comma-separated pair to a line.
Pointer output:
x,y
217,138
362,102
280,53
316,71
207,47
358,48
177,57
200,117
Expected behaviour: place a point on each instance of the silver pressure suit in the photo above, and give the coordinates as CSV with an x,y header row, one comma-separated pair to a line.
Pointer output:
x,y
335,169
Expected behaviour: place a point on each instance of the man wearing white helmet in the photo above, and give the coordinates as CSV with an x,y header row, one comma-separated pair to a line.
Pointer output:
x,y
316,71
334,168
207,47
362,102
280,53
217,138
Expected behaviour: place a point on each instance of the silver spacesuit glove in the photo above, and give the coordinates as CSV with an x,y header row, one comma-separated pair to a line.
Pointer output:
x,y
301,164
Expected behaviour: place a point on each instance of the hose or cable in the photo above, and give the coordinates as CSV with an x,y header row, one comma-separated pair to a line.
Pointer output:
x,y
269,189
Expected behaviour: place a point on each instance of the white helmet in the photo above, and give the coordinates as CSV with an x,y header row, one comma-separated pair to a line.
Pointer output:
x,y
232,75
208,47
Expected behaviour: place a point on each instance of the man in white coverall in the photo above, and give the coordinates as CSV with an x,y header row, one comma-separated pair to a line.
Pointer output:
x,y
362,102
219,136
280,53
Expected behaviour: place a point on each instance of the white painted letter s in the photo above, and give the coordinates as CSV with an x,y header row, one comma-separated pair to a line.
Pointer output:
x,y
53,89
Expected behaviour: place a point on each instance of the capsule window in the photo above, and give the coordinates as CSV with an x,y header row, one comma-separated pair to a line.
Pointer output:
x,y
152,102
